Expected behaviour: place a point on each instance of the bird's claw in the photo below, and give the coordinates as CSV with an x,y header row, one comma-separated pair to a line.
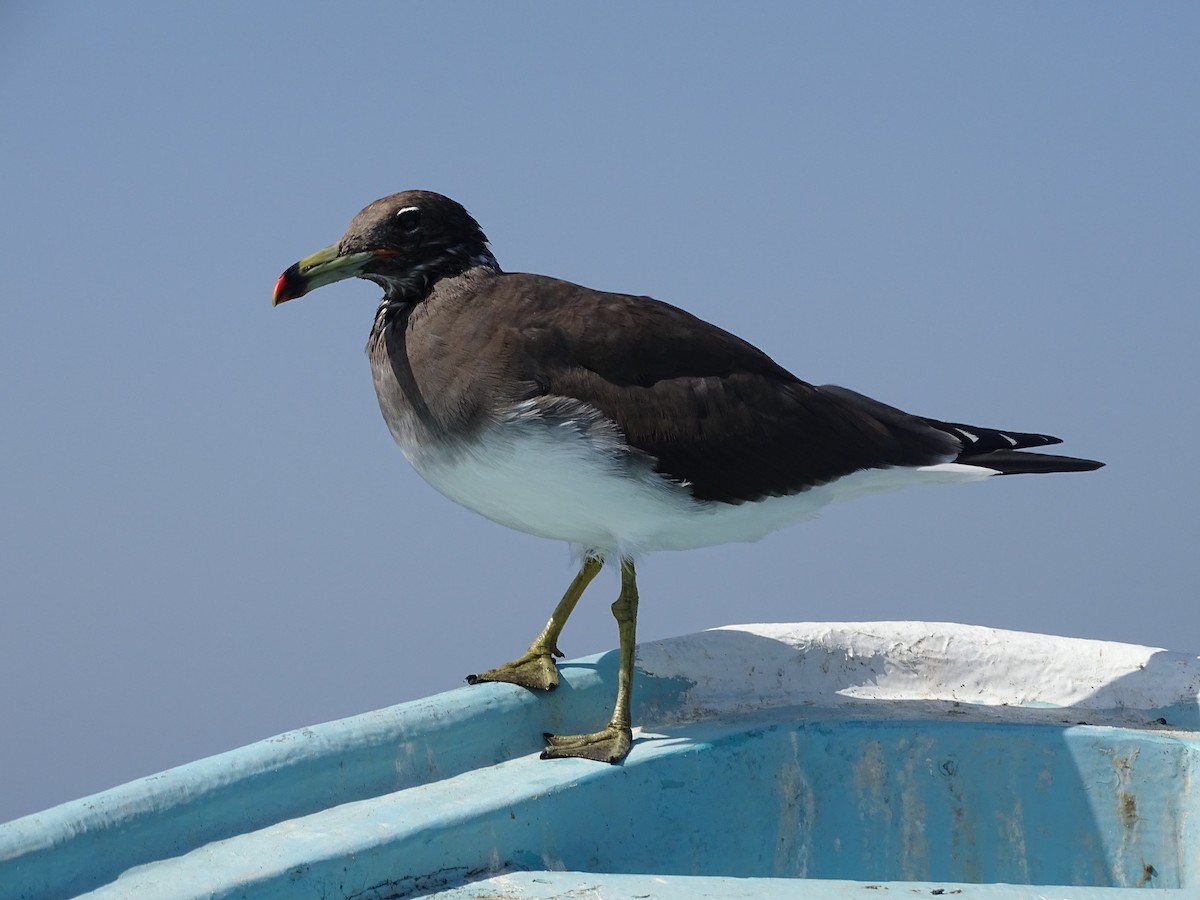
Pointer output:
x,y
535,671
610,745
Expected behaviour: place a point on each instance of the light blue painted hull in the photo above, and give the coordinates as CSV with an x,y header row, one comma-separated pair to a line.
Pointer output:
x,y
443,793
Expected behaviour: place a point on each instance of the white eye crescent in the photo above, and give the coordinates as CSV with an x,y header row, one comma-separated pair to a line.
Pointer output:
x,y
409,217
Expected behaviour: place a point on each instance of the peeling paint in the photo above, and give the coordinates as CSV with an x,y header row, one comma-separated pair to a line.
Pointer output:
x,y
875,753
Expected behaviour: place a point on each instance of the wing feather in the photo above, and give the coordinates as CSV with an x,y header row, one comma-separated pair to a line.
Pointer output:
x,y
713,411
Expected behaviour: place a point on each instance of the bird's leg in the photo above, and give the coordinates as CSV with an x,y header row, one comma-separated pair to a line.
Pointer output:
x,y
535,668
612,744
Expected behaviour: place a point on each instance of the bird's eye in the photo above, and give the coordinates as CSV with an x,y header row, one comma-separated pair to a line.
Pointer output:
x,y
409,218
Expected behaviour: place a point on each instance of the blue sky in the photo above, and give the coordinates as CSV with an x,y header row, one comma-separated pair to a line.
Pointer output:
x,y
982,213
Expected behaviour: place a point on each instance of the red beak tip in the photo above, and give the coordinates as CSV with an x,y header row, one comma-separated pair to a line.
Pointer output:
x,y
281,294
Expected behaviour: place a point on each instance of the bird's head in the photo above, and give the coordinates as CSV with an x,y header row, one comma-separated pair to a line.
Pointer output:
x,y
403,243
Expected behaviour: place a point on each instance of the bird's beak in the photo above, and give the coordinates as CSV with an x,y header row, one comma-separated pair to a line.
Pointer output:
x,y
322,268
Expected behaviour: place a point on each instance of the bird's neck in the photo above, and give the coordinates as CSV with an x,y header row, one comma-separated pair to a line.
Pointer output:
x,y
417,282
402,294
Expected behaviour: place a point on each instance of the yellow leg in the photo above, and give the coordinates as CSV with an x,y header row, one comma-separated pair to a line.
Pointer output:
x,y
535,668
613,742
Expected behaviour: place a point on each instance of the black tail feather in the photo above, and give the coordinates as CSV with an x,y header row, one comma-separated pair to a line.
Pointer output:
x,y
984,440
1003,450
1018,462
992,448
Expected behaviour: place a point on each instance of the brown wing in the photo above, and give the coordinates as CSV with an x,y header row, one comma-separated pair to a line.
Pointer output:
x,y
712,410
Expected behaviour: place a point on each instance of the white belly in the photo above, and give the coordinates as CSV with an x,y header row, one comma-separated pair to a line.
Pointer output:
x,y
556,483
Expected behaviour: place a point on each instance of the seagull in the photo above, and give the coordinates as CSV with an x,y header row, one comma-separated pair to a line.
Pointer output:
x,y
617,423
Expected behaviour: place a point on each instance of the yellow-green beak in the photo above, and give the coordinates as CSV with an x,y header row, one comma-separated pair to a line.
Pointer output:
x,y
322,268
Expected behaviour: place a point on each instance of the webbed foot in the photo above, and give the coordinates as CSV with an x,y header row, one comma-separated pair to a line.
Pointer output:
x,y
534,670
610,745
